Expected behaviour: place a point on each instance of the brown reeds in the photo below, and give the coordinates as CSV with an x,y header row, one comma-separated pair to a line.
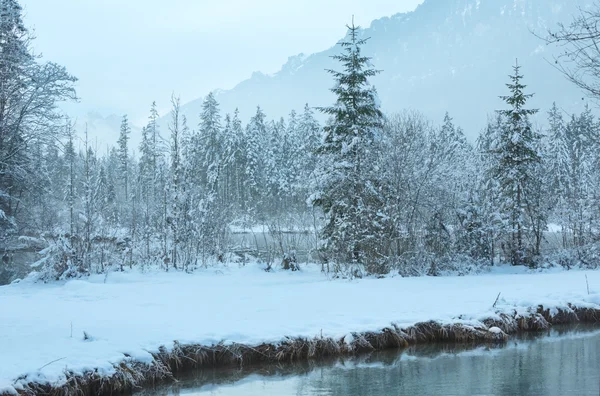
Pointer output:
x,y
131,375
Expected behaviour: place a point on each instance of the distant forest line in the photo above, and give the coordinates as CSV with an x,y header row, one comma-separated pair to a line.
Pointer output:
x,y
374,193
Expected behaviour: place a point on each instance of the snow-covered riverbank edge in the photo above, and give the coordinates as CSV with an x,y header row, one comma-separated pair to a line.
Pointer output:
x,y
132,320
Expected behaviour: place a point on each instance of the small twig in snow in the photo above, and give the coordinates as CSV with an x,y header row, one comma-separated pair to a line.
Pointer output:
x,y
496,302
588,284
54,361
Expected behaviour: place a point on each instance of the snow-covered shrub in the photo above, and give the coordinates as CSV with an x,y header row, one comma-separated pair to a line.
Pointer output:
x,y
425,264
586,257
61,260
290,262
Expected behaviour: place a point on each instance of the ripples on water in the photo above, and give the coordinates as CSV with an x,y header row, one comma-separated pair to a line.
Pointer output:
x,y
561,362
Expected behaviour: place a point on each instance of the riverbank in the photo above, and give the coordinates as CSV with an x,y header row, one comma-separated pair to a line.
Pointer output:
x,y
562,361
108,335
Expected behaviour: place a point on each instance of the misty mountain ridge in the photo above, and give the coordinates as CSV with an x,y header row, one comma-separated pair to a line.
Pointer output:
x,y
450,56
103,131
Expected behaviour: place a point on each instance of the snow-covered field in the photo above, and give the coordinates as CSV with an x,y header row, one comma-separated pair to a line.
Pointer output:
x,y
42,325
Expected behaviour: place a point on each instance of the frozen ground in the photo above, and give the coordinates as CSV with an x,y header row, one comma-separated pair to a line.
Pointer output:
x,y
42,326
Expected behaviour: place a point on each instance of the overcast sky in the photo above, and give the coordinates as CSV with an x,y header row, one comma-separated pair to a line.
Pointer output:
x,y
128,53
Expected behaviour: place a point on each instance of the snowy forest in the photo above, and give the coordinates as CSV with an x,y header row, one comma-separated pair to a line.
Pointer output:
x,y
364,193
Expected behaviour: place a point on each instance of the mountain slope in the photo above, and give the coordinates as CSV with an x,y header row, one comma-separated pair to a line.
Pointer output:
x,y
447,55
103,132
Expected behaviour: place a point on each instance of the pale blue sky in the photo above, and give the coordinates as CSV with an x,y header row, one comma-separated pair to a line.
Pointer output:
x,y
128,53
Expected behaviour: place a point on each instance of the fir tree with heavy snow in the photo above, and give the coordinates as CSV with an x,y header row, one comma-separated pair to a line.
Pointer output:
x,y
209,144
580,138
557,174
518,157
123,144
257,154
349,190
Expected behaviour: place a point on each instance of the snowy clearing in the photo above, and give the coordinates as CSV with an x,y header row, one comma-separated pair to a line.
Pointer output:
x,y
135,313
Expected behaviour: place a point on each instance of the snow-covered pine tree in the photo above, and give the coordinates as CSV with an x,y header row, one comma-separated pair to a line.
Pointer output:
x,y
103,194
151,182
236,150
580,137
157,152
105,201
557,175
113,179
517,151
227,190
488,160
154,138
123,144
275,162
473,234
40,209
310,133
186,221
64,253
89,204
348,187
145,164
290,162
124,181
146,188
257,150
447,168
308,138
539,197
54,162
70,175
455,142
211,213
209,144
592,175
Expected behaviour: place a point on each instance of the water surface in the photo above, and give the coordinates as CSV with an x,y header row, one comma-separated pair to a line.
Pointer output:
x,y
559,362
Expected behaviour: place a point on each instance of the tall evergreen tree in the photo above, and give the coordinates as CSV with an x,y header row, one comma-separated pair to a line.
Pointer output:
x,y
257,146
308,132
518,156
228,147
210,143
146,187
578,192
154,137
348,188
70,178
123,144
89,203
237,155
557,175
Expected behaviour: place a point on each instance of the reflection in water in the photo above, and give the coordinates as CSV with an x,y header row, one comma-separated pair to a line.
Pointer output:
x,y
561,362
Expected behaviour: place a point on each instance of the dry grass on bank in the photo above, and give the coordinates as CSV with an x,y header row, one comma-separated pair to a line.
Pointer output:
x,y
131,375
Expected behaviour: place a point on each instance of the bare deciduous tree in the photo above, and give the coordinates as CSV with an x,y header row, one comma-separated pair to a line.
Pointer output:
x,y
579,41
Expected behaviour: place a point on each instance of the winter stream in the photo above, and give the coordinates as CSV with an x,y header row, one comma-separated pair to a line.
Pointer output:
x,y
564,361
